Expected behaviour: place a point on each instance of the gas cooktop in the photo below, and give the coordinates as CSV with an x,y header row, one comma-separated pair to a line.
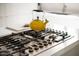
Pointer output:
x,y
31,43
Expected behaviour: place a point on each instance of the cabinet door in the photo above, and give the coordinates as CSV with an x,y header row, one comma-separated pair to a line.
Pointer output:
x,y
72,8
52,7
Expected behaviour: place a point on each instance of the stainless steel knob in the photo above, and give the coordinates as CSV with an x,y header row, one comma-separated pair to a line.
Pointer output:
x,y
34,45
45,44
40,46
30,50
49,42
36,48
44,41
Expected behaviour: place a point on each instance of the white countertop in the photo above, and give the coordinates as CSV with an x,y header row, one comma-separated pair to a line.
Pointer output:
x,y
55,50
4,31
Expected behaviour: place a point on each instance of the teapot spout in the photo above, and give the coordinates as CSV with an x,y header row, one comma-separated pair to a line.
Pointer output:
x,y
46,21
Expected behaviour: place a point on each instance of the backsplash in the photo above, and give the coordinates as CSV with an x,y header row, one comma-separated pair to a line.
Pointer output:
x,y
16,14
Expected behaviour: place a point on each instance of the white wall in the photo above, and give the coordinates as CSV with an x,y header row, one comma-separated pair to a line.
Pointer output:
x,y
16,14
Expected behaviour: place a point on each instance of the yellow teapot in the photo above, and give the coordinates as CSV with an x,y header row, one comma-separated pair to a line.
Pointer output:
x,y
37,24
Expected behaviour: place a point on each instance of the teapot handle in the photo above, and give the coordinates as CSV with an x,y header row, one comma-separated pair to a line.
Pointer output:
x,y
27,25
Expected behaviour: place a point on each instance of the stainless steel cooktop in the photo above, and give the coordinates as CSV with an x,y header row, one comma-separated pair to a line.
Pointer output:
x,y
31,43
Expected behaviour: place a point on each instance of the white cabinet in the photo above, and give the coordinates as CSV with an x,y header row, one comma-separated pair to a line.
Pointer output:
x,y
58,7
72,8
52,7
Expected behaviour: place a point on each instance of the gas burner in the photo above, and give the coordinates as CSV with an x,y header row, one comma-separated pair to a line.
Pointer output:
x,y
30,42
33,33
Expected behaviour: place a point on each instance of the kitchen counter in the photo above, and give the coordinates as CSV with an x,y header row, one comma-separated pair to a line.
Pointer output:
x,y
62,47
4,32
